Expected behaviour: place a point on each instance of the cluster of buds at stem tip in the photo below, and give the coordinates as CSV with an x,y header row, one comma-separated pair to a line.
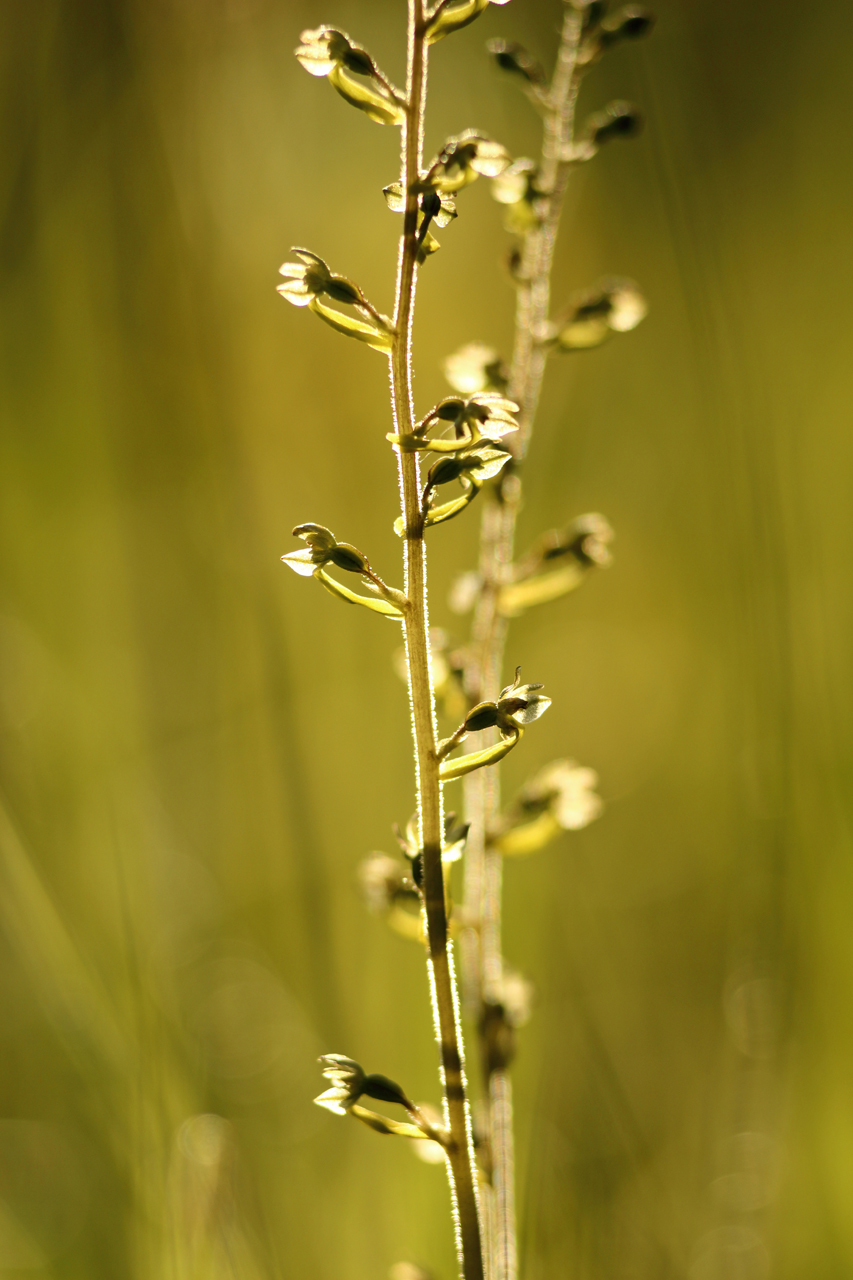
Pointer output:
x,y
601,30
561,797
349,1082
516,706
323,549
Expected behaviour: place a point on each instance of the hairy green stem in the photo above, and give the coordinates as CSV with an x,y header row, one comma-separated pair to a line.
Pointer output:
x,y
460,1153
486,653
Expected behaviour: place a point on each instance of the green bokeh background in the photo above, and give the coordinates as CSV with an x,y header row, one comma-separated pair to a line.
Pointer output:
x,y
198,748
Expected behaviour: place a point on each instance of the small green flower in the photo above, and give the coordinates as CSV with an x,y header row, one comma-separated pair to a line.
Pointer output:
x,y
561,797
453,15
452,845
308,280
601,33
516,188
476,367
385,883
472,467
483,415
570,790
506,1007
309,277
434,207
329,52
558,562
517,705
323,548
614,305
349,1083
347,1079
586,540
481,418
464,158
617,120
442,213
477,465
564,789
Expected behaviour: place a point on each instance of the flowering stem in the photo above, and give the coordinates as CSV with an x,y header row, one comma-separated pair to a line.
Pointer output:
x,y
459,1148
483,953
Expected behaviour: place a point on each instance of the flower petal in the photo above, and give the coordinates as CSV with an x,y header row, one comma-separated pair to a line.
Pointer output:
x,y
300,562
535,708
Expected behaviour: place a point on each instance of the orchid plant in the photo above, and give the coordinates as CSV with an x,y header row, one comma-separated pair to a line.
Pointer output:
x,y
470,445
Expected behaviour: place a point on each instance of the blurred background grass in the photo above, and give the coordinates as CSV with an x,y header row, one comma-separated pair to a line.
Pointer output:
x,y
197,748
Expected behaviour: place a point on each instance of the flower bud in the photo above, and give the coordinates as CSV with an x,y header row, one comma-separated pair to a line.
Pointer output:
x,y
511,56
629,23
384,1090
617,120
483,716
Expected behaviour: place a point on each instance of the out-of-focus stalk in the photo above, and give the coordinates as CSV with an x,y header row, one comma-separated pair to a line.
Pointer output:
x,y
486,652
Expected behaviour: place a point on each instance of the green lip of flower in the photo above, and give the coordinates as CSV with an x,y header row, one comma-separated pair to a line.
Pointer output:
x,y
521,704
